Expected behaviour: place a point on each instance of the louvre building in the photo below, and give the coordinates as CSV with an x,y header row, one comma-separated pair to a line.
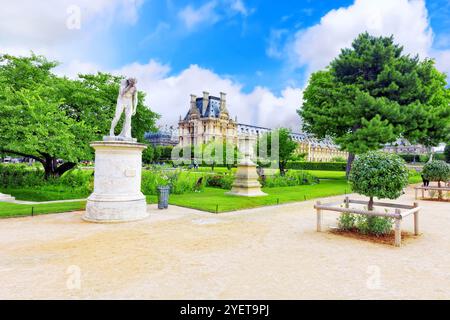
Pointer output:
x,y
208,120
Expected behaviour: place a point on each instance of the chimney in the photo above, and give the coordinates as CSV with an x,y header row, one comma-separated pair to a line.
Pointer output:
x,y
193,99
223,102
205,100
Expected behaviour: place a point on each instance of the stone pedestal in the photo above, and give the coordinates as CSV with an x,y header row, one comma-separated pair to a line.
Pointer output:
x,y
6,198
246,182
117,195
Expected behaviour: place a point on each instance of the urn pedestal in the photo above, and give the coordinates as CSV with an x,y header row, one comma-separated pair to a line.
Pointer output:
x,y
6,198
117,195
246,182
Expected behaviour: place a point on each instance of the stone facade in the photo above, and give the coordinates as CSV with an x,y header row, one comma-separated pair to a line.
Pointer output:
x,y
403,146
164,137
208,119
316,150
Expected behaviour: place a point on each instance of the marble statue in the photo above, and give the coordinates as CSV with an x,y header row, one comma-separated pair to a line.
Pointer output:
x,y
126,101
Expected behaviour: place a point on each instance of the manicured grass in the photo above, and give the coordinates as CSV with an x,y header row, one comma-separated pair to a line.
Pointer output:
x,y
44,193
211,199
17,210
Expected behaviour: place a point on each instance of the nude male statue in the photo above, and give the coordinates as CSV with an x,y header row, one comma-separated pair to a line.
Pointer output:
x,y
127,100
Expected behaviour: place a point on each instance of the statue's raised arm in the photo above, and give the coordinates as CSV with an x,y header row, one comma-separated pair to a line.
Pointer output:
x,y
126,101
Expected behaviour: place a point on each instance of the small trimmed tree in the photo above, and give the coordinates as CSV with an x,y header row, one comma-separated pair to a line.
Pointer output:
x,y
377,174
437,170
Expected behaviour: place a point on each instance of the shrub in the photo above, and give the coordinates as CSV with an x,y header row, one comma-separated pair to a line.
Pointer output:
x,y
410,157
179,181
291,178
338,159
20,175
223,181
378,174
437,170
365,224
324,166
346,221
374,225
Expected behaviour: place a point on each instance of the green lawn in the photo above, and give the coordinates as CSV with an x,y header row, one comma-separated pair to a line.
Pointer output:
x,y
16,210
332,183
44,193
211,198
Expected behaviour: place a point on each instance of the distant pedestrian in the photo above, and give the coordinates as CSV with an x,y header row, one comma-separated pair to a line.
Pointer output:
x,y
426,182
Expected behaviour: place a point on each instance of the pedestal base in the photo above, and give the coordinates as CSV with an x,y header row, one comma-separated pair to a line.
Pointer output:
x,y
117,195
246,183
6,198
115,211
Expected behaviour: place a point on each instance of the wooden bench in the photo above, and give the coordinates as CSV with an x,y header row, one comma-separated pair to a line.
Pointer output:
x,y
398,215
435,188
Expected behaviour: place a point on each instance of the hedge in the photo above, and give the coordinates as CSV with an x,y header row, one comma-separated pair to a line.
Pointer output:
x,y
423,158
324,166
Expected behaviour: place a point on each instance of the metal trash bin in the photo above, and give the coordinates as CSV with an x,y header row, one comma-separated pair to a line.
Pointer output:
x,y
163,197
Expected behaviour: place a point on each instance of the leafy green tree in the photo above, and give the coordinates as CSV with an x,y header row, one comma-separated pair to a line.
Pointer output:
x,y
279,145
148,154
219,152
437,170
378,174
373,94
50,118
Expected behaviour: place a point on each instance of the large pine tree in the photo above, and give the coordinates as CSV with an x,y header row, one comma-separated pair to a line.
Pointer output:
x,y
373,94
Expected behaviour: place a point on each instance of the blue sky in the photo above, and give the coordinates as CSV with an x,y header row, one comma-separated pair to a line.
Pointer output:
x,y
236,43
233,43
260,52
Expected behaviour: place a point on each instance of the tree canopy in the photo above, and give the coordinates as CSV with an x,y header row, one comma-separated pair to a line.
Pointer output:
x,y
285,147
378,174
47,117
373,94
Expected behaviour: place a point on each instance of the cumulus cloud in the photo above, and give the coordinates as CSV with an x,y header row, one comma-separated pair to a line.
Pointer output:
x,y
169,95
239,6
212,12
193,17
316,46
61,29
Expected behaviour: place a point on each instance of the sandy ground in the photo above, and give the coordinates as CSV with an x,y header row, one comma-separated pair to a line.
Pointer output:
x,y
267,253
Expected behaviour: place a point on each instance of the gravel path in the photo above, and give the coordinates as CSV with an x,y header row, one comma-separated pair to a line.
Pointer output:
x,y
265,253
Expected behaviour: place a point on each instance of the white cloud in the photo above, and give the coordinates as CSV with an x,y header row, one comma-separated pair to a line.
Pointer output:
x,y
212,12
192,17
275,48
239,6
61,29
169,95
316,46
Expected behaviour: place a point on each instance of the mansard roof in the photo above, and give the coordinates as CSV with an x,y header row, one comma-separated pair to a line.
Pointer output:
x,y
212,108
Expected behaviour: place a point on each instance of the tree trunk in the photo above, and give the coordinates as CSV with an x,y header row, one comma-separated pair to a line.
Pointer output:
x,y
370,205
281,166
53,170
351,157
49,163
439,191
